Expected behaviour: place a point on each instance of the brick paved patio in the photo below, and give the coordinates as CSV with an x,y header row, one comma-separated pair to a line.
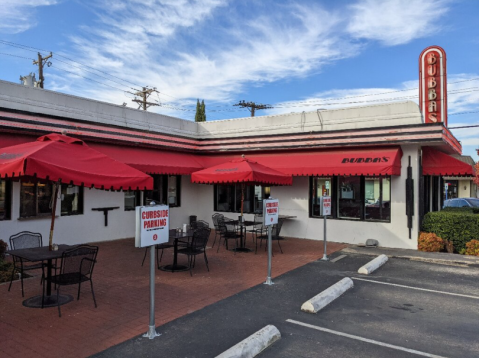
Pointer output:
x,y
122,292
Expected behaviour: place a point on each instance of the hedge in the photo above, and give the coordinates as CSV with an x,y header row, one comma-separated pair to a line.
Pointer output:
x,y
460,225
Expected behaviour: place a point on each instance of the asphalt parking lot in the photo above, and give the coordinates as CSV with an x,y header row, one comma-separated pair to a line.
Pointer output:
x,y
404,309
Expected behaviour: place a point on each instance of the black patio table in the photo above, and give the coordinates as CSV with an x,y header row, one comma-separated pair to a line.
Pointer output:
x,y
243,225
177,236
43,253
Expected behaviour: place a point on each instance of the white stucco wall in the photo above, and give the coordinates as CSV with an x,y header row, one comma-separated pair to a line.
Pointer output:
x,y
90,226
197,199
294,201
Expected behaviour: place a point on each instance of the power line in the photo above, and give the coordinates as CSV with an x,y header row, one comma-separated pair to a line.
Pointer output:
x,y
9,54
89,79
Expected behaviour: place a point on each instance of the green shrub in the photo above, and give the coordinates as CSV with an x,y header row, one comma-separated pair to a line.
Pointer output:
x,y
466,210
472,248
459,226
429,242
3,249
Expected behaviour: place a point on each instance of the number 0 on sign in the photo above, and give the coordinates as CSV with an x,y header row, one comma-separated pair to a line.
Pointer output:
x,y
270,211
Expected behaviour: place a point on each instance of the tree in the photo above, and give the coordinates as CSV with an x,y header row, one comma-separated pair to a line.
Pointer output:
x,y
198,111
203,112
200,115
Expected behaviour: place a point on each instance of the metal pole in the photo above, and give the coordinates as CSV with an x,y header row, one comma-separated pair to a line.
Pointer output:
x,y
151,328
325,257
270,253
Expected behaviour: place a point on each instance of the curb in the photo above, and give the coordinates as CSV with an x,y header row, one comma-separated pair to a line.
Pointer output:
x,y
373,265
254,344
413,255
323,299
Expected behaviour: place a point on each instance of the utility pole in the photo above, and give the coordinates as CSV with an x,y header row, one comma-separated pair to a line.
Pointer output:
x,y
144,94
253,106
41,62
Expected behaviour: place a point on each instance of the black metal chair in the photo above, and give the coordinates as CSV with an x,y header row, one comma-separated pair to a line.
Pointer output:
x,y
161,247
228,231
25,240
215,218
276,229
196,247
258,227
199,224
77,267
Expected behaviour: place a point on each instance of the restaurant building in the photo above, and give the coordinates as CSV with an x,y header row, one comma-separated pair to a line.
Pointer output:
x,y
383,166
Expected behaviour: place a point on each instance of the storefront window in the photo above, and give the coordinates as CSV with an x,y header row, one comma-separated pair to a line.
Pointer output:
x,y
5,199
452,192
35,198
320,187
349,197
353,197
72,200
166,190
377,199
132,199
228,198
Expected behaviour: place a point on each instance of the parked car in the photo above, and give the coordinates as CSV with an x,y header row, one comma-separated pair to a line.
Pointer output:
x,y
461,203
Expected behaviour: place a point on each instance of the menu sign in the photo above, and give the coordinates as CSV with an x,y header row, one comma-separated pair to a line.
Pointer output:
x,y
152,225
270,211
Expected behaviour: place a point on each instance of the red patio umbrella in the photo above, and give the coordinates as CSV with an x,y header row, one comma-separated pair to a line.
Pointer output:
x,y
68,160
242,171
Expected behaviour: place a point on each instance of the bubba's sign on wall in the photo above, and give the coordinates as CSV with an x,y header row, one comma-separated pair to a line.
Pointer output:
x,y
433,85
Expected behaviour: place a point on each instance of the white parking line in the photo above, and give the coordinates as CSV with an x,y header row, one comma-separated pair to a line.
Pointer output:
x,y
416,288
367,340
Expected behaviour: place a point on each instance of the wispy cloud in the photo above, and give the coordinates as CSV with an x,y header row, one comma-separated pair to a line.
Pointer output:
x,y
395,22
19,15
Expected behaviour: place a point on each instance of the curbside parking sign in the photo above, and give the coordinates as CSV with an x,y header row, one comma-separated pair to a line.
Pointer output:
x,y
152,225
270,211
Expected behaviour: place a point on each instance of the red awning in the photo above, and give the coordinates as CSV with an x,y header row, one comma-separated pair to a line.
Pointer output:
x,y
374,161
241,171
152,161
58,157
435,162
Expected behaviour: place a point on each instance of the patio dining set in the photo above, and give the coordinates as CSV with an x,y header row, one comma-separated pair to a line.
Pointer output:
x,y
65,265
194,240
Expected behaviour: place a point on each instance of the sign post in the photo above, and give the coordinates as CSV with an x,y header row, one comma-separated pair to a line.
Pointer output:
x,y
152,223
270,217
326,210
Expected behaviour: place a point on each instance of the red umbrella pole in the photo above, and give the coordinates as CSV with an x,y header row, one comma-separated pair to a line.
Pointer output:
x,y
242,198
56,186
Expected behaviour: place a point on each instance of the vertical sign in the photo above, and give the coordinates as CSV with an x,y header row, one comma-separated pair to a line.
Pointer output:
x,y
270,211
270,217
152,224
433,85
326,202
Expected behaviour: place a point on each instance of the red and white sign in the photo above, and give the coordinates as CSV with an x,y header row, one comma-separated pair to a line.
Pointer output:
x,y
270,211
433,85
152,225
326,204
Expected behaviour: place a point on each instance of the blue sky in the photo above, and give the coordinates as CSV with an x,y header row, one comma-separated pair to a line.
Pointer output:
x,y
293,55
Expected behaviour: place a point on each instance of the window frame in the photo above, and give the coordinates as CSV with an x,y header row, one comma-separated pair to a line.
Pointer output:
x,y
335,198
8,200
81,201
250,188
163,190
35,182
